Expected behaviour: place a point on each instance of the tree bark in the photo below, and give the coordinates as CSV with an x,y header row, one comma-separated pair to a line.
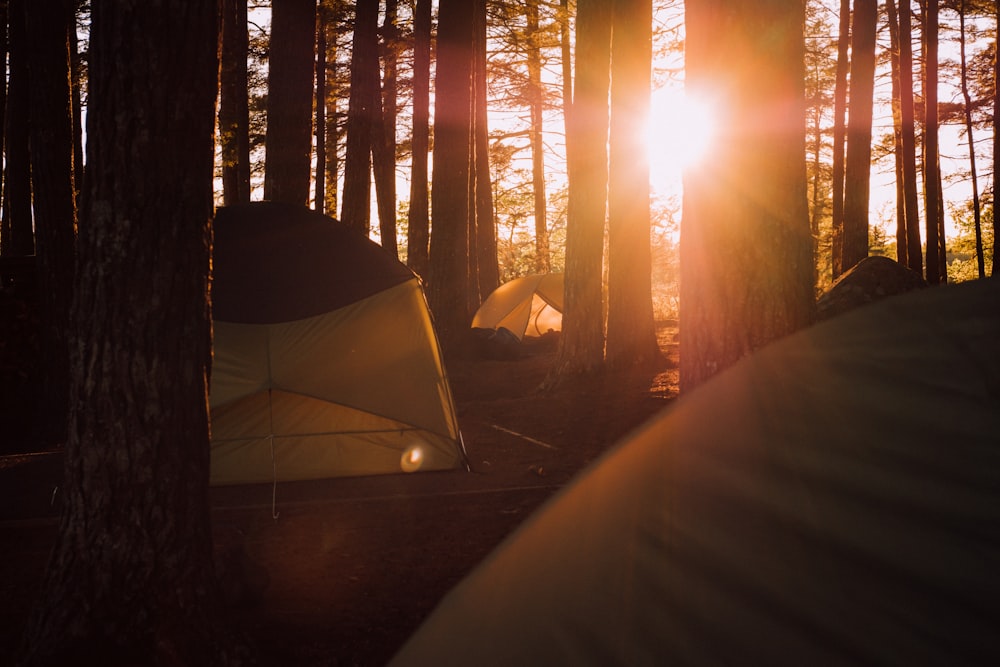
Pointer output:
x,y
839,132
384,139
418,224
914,255
234,107
448,293
631,335
581,346
362,107
130,580
746,249
51,143
857,168
319,189
287,166
487,263
932,193
17,235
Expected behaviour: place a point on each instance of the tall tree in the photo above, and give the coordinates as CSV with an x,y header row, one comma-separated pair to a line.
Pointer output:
x,y
448,276
486,277
16,232
932,192
362,108
858,163
746,250
581,346
631,335
914,256
384,136
289,101
48,26
967,112
234,105
536,102
418,224
839,132
130,580
319,193
996,136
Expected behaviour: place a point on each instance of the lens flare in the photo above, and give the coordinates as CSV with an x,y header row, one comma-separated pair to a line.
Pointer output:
x,y
412,459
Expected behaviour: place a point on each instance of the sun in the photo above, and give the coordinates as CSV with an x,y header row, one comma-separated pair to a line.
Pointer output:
x,y
680,133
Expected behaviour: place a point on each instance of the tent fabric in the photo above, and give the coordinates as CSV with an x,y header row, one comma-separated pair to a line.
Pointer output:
x,y
527,306
351,383
831,499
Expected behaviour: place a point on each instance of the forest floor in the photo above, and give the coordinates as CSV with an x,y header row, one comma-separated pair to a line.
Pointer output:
x,y
340,572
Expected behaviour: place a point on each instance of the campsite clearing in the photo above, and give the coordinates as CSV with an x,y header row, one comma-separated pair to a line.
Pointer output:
x,y
351,566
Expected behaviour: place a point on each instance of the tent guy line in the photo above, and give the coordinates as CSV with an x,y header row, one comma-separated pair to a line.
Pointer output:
x,y
523,437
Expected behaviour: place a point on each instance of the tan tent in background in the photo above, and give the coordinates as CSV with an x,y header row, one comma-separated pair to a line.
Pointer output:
x,y
326,362
833,499
528,306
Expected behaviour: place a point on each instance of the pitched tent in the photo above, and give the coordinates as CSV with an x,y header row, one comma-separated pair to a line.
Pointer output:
x,y
831,499
527,306
326,362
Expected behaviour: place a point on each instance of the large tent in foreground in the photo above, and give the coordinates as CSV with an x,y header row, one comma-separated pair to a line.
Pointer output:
x,y
832,499
527,306
326,362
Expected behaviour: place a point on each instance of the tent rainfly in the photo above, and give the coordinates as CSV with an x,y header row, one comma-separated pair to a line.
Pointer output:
x,y
326,363
833,499
527,306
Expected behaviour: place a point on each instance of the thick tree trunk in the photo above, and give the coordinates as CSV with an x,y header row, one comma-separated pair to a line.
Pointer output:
x,y
363,106
857,168
234,107
17,234
449,285
287,166
131,578
384,139
417,221
51,141
581,347
914,255
746,251
631,337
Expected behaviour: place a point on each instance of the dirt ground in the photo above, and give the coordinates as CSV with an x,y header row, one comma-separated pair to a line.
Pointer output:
x,y
340,572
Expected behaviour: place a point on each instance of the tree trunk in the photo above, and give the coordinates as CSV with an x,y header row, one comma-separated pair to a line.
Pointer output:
x,y
4,18
131,580
932,194
448,293
418,225
319,189
234,107
581,346
362,107
487,263
857,168
384,140
535,104
914,256
287,166
967,108
746,251
996,138
631,337
51,103
839,109
328,18
897,131
17,235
